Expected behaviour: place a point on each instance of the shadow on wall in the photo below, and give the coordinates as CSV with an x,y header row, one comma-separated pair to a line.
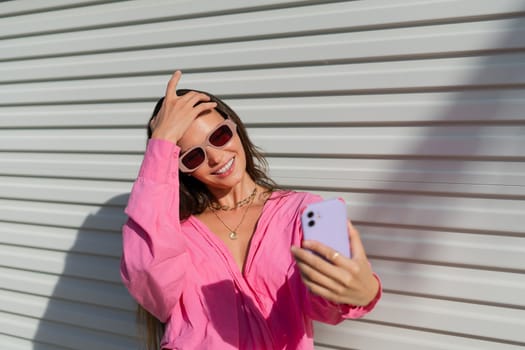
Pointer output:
x,y
454,202
449,179
90,308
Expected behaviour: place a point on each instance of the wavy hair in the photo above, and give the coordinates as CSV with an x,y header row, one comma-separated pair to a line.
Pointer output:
x,y
195,198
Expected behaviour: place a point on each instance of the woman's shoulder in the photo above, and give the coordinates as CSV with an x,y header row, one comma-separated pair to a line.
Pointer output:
x,y
293,198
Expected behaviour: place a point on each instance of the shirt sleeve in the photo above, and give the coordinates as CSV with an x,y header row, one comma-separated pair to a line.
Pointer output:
x,y
154,252
352,311
325,311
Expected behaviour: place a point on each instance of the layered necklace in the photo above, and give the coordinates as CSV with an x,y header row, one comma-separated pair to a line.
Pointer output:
x,y
244,202
239,204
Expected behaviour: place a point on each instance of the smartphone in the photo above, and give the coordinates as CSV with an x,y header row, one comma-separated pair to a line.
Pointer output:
x,y
326,222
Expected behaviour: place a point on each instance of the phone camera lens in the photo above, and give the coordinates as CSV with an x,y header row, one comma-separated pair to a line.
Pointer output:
x,y
311,223
310,214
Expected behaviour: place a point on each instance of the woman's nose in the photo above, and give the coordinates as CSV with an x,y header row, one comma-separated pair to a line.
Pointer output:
x,y
214,155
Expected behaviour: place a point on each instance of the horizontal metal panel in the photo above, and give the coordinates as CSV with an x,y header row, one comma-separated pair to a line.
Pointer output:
x,y
88,115
446,73
424,175
63,190
16,343
414,171
447,213
466,178
291,175
95,166
438,141
460,141
438,213
63,334
114,14
461,177
62,239
82,140
322,172
63,215
361,335
319,347
492,252
431,108
415,108
326,182
16,8
98,268
73,313
446,282
386,44
294,21
310,179
452,317
103,294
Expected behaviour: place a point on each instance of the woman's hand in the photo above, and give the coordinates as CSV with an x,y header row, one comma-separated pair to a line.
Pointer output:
x,y
340,280
178,112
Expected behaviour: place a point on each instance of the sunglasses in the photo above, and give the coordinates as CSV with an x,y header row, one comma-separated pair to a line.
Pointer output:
x,y
217,138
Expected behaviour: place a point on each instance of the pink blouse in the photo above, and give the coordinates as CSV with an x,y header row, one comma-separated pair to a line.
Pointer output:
x,y
185,275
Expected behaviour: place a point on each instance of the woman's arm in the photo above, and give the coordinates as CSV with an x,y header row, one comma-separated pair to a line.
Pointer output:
x,y
154,253
155,257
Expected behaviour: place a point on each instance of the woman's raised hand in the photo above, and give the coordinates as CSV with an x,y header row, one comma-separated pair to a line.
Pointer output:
x,y
338,279
178,112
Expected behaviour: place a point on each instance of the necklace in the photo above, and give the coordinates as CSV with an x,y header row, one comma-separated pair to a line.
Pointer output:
x,y
239,204
233,233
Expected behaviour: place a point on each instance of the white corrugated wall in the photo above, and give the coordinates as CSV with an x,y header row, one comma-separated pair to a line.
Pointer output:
x,y
414,111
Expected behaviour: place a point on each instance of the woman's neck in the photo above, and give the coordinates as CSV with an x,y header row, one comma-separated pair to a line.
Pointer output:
x,y
235,197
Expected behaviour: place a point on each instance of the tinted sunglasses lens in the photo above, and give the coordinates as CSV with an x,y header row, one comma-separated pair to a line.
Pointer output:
x,y
193,158
221,136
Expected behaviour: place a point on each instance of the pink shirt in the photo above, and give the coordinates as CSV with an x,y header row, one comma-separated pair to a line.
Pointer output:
x,y
185,276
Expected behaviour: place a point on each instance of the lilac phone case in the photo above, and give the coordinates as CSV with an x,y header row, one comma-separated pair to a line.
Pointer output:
x,y
325,222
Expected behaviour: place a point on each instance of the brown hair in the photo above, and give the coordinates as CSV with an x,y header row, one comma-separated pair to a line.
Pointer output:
x,y
195,197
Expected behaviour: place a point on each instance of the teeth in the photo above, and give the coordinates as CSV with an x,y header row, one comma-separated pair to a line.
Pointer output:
x,y
225,168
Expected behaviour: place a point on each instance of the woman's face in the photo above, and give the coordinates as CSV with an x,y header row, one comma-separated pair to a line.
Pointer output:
x,y
224,167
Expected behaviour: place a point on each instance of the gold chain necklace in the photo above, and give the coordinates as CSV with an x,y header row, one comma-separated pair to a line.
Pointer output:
x,y
239,204
233,233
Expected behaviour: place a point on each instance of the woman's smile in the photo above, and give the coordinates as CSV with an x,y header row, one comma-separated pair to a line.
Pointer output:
x,y
226,169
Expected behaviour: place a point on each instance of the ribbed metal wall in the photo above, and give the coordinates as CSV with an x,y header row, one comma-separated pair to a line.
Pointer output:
x,y
414,111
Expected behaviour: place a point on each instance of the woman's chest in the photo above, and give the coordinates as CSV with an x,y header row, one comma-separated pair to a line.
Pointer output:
x,y
260,252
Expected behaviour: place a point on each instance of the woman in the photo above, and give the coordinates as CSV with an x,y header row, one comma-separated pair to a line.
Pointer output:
x,y
212,249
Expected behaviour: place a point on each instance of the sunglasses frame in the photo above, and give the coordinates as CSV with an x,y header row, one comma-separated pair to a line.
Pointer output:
x,y
227,122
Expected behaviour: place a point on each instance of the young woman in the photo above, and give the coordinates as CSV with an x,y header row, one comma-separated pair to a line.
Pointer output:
x,y
213,250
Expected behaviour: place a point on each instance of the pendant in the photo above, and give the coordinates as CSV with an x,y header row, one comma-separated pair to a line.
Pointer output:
x,y
233,235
